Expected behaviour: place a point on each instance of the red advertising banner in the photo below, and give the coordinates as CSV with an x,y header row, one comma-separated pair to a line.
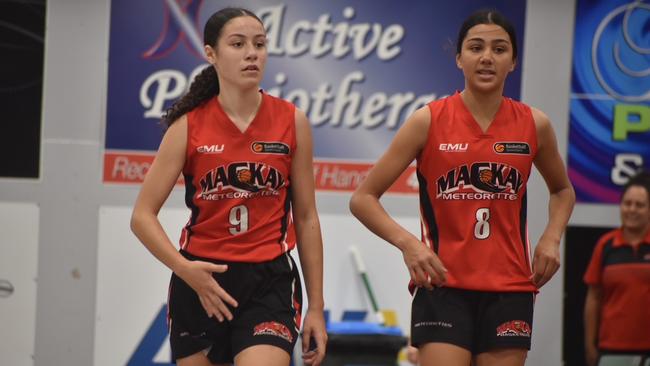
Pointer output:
x,y
130,167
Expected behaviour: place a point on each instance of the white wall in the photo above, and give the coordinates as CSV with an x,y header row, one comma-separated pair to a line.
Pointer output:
x,y
18,263
69,193
545,85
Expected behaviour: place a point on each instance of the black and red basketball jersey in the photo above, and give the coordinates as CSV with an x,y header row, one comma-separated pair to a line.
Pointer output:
x,y
623,273
237,184
473,194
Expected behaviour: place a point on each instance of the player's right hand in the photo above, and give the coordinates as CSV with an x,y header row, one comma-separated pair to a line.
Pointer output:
x,y
213,297
424,266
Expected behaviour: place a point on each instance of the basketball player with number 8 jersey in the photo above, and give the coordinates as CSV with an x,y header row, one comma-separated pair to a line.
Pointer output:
x,y
472,277
473,194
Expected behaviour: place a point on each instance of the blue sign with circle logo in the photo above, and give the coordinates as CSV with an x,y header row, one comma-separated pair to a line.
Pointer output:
x,y
609,136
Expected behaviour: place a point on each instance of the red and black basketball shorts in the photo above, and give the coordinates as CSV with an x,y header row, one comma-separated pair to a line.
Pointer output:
x,y
475,320
269,298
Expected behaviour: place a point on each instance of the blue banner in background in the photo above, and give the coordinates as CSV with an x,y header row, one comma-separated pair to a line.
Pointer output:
x,y
357,68
609,136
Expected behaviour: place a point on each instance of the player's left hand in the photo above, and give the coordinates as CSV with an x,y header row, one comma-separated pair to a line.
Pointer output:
x,y
545,262
314,332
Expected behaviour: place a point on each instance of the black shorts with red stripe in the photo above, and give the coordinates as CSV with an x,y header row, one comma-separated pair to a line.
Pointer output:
x,y
269,298
475,320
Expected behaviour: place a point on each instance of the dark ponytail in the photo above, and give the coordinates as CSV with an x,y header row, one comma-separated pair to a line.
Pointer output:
x,y
206,84
204,87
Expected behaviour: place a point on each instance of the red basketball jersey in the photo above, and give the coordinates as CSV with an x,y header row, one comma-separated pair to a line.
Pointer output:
x,y
237,183
473,194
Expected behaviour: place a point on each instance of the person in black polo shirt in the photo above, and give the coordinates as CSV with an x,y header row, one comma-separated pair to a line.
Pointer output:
x,y
617,307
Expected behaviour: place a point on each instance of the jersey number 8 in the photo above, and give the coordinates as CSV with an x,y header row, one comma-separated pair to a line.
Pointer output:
x,y
482,226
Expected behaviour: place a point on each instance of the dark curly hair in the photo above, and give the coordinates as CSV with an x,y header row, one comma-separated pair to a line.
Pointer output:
x,y
206,83
487,17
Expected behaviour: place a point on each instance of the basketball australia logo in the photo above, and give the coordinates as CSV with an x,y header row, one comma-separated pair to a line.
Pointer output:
x,y
260,147
620,53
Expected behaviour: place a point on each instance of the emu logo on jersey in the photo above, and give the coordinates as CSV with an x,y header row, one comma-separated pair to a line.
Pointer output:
x,y
488,180
454,147
241,180
210,149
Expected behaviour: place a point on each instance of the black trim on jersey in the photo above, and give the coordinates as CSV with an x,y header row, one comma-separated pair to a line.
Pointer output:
x,y
623,254
522,226
284,222
190,191
607,249
427,210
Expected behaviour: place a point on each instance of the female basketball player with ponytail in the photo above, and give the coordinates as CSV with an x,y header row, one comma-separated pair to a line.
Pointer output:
x,y
246,158
471,273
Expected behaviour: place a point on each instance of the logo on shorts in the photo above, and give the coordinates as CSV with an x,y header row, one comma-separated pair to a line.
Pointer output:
x,y
440,324
188,334
514,328
274,329
270,148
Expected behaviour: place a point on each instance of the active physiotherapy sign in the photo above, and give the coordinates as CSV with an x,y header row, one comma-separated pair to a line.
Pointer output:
x,y
357,69
609,138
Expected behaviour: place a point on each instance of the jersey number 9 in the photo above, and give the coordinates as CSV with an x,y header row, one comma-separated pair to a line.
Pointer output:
x,y
238,219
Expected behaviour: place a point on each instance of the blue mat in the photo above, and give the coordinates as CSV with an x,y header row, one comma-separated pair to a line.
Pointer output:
x,y
360,327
